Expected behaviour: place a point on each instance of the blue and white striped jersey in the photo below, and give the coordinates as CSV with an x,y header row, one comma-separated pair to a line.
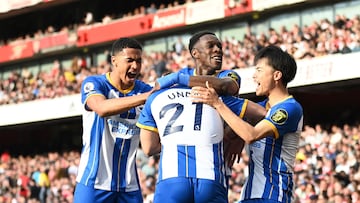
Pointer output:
x,y
272,158
109,143
191,134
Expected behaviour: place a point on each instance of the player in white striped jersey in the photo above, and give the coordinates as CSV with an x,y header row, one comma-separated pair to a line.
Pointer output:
x,y
192,167
192,156
112,102
273,142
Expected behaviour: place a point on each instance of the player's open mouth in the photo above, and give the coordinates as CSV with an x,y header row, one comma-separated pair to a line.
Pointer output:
x,y
132,75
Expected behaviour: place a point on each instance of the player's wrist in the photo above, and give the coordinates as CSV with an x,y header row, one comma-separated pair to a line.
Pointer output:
x,y
167,80
218,103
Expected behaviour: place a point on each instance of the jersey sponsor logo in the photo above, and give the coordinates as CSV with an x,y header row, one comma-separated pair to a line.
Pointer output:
x,y
122,129
88,87
256,144
280,116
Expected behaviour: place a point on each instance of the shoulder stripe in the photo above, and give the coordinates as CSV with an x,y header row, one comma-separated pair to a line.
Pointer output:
x,y
147,127
243,109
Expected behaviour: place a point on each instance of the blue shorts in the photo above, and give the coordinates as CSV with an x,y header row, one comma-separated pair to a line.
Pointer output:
x,y
181,189
88,194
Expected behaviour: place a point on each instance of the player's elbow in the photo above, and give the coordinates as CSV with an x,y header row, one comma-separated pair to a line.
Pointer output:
x,y
102,114
249,136
230,87
151,151
249,141
147,151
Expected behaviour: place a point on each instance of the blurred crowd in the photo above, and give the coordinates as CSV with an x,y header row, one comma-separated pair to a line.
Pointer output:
x,y
327,164
318,39
90,20
327,169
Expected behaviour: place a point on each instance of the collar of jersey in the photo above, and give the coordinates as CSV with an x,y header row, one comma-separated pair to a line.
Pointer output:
x,y
267,106
120,90
194,73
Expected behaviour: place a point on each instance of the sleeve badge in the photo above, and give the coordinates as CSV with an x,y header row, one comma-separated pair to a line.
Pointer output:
x,y
280,116
88,87
235,77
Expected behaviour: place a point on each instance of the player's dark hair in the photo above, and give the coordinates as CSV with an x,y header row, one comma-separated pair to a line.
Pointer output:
x,y
123,43
195,38
279,60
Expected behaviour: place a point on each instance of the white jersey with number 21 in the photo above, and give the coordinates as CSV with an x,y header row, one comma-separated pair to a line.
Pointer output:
x,y
191,135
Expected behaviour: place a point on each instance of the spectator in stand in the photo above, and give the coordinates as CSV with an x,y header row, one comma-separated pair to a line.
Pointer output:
x,y
178,46
107,171
318,39
89,18
151,9
149,168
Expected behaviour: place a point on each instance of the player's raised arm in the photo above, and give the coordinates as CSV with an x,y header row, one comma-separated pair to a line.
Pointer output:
x,y
223,86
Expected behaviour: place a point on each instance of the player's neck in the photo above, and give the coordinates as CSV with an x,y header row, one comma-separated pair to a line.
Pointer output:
x,y
278,95
203,71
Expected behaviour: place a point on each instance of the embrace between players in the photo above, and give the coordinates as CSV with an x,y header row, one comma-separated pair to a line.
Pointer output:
x,y
199,132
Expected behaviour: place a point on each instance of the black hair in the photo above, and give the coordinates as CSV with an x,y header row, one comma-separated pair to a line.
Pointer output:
x,y
123,43
195,38
279,60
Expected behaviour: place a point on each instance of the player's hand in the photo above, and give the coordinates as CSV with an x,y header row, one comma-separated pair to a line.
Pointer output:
x,y
156,86
205,95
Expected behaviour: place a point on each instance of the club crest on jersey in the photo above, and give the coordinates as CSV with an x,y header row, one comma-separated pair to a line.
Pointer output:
x,y
88,87
234,76
280,116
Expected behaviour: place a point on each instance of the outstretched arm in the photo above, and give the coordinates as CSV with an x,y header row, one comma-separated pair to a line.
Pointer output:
x,y
223,86
107,107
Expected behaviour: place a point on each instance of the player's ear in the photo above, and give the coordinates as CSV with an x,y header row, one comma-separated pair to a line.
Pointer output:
x,y
113,60
277,75
195,53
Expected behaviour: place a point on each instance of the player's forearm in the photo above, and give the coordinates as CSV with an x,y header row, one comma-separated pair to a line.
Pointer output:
x,y
115,106
223,86
154,150
254,112
239,126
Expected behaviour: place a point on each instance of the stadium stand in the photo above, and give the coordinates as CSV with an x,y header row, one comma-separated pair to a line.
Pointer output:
x,y
39,159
